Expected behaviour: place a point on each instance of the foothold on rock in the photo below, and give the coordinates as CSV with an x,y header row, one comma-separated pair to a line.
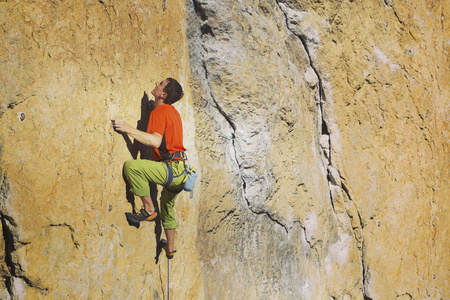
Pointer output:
x,y
21,116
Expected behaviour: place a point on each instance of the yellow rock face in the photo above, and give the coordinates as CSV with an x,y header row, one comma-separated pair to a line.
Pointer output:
x,y
319,131
68,69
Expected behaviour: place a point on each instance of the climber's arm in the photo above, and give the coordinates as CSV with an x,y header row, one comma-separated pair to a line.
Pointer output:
x,y
149,139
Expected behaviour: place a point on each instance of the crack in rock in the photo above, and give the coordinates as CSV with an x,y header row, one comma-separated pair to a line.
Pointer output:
x,y
16,279
310,41
72,232
228,214
206,29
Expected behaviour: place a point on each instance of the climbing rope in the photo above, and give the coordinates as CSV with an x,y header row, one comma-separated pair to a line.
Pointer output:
x,y
168,279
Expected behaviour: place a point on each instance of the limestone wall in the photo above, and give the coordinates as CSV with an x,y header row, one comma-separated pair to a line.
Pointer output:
x,y
330,133
70,67
319,130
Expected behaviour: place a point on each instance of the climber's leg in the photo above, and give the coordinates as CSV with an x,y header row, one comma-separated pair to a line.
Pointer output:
x,y
138,174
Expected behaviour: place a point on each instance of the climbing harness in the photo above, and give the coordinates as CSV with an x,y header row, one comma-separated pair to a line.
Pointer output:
x,y
190,176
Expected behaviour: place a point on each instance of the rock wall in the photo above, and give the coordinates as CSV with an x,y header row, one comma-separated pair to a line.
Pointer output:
x,y
70,67
319,130
326,125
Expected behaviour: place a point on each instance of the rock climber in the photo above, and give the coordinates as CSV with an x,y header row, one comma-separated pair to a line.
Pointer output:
x,y
165,135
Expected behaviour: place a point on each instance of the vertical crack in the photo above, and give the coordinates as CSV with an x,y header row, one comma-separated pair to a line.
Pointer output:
x,y
333,174
366,277
205,29
14,268
9,249
233,142
14,273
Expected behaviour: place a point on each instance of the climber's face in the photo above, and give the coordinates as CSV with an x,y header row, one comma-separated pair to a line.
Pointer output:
x,y
158,91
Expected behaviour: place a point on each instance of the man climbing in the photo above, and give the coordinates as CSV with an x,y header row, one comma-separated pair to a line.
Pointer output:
x,y
165,135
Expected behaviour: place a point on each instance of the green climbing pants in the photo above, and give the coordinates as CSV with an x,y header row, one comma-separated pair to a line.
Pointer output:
x,y
139,173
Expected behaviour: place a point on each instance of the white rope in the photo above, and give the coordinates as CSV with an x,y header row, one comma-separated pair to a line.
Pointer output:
x,y
168,279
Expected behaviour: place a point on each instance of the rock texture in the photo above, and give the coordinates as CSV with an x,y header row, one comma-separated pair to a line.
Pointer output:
x,y
70,67
330,137
319,130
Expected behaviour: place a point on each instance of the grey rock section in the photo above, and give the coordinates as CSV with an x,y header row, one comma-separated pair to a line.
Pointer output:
x,y
270,229
322,127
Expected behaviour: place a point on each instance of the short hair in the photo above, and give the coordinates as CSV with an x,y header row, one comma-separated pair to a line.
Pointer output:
x,y
173,90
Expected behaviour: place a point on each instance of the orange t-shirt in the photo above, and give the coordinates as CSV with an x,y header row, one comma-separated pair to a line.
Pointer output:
x,y
166,121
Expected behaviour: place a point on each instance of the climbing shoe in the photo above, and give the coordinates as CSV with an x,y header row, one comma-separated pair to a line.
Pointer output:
x,y
170,254
143,215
